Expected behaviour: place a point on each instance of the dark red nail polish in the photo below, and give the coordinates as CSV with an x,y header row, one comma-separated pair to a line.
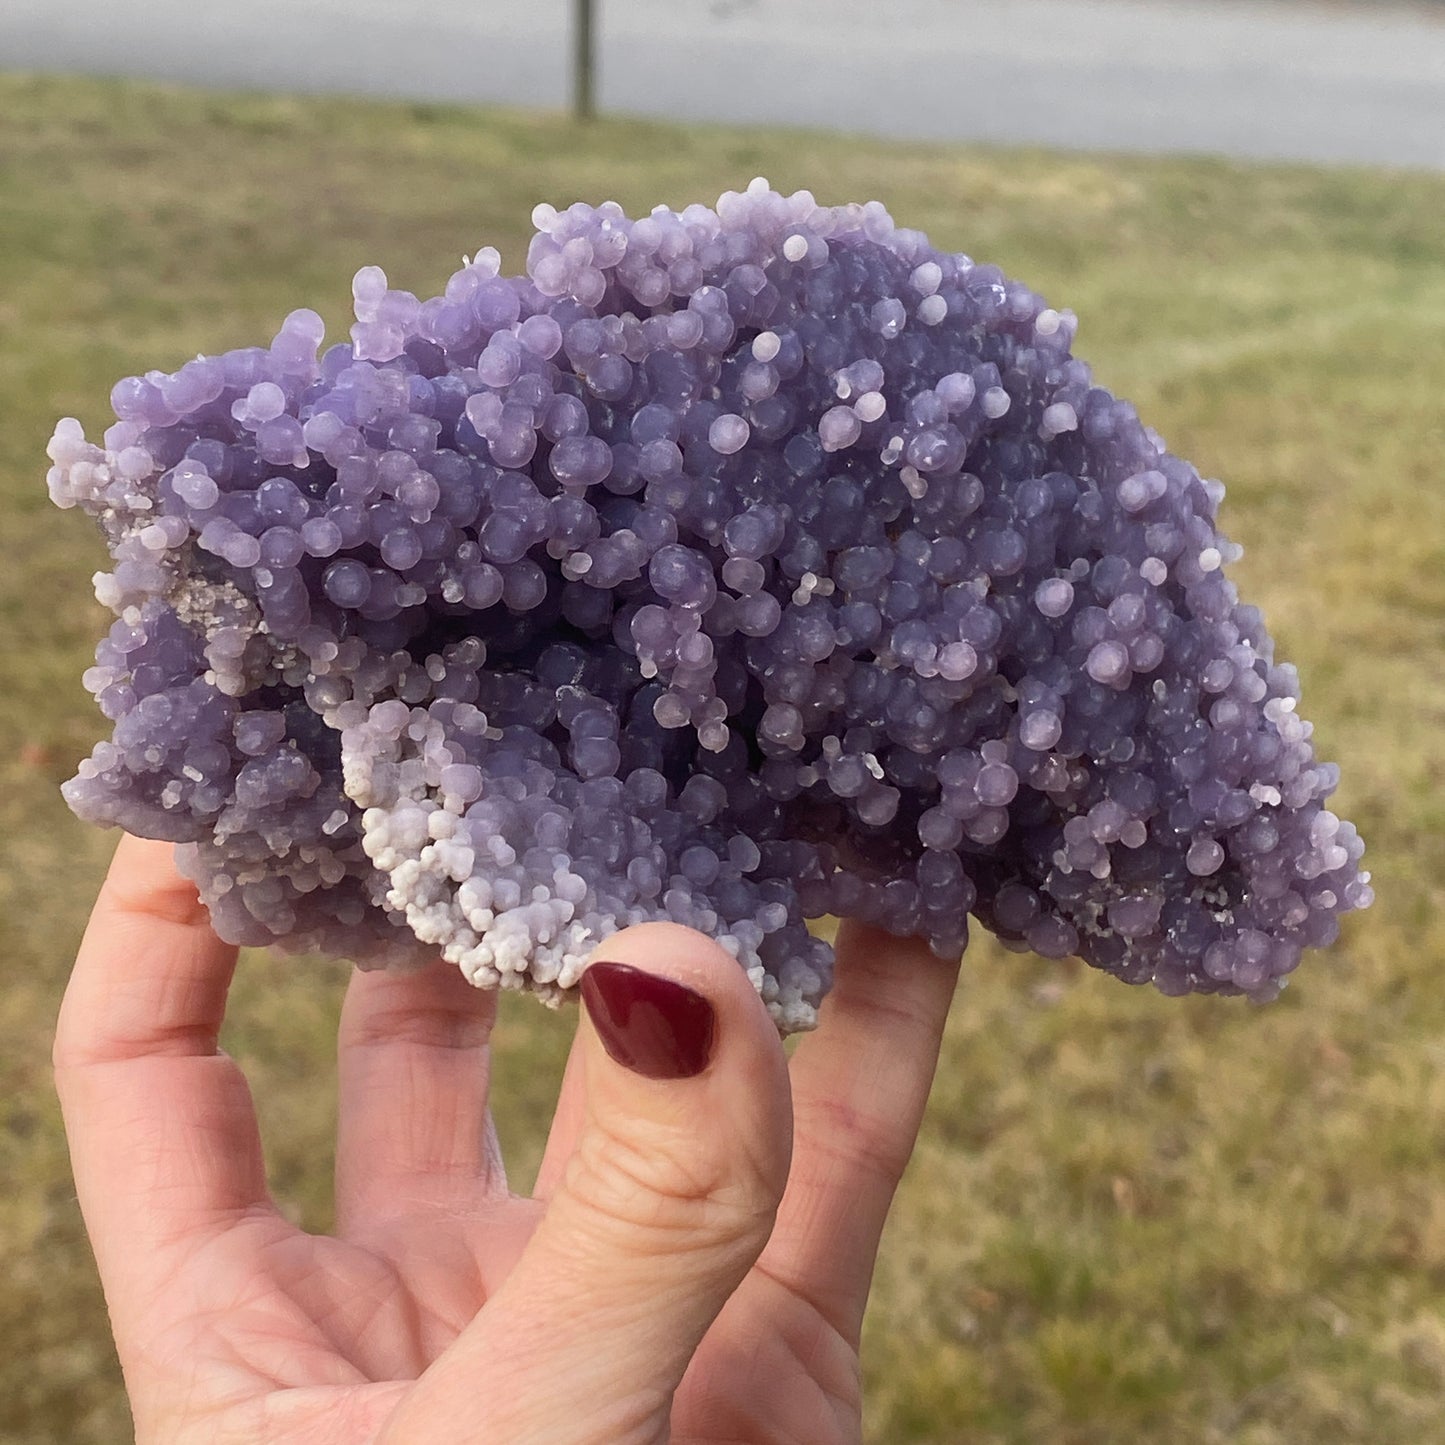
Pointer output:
x,y
651,1025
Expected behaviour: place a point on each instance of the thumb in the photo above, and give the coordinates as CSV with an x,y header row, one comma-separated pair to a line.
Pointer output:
x,y
664,1205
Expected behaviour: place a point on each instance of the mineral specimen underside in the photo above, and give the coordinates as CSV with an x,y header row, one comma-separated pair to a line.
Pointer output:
x,y
735,567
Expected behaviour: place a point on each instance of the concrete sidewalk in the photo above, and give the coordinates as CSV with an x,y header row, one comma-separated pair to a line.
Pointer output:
x,y
1242,78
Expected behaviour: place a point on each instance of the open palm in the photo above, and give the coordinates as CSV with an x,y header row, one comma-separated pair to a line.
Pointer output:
x,y
661,1283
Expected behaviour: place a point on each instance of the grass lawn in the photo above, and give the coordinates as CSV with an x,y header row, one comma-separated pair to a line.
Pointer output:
x,y
1131,1219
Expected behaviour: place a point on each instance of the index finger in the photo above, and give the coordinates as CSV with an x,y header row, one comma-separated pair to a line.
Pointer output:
x,y
860,1086
163,1135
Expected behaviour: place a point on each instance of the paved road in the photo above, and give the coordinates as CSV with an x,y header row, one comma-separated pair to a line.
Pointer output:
x,y
1238,77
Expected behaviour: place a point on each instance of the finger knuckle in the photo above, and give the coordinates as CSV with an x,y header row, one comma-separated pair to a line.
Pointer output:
x,y
861,1139
674,1190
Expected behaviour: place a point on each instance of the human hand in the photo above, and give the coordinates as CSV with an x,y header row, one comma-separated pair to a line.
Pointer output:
x,y
671,1277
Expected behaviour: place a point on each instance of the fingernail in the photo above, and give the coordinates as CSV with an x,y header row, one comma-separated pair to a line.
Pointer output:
x,y
651,1025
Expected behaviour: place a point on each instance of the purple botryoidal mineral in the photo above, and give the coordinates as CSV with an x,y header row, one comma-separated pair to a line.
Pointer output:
x,y
734,567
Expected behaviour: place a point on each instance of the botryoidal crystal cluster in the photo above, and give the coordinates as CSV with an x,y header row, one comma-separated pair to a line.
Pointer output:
x,y
735,567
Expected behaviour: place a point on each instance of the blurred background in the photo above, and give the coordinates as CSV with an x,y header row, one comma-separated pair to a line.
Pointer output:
x,y
1275,79
1130,1219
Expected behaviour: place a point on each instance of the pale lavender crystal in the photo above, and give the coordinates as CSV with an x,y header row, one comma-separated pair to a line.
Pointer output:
x,y
735,567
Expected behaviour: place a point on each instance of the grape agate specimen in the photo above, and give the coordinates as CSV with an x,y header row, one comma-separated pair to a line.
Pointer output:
x,y
735,567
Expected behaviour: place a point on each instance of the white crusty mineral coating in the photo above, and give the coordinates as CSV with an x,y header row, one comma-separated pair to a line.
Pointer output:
x,y
734,567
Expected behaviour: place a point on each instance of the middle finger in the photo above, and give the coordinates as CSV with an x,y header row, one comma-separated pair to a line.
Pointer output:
x,y
414,1130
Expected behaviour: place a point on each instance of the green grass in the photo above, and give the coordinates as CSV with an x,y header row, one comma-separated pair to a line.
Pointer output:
x,y
1130,1219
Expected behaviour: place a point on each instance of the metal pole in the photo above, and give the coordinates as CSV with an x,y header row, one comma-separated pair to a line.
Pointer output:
x,y
583,60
